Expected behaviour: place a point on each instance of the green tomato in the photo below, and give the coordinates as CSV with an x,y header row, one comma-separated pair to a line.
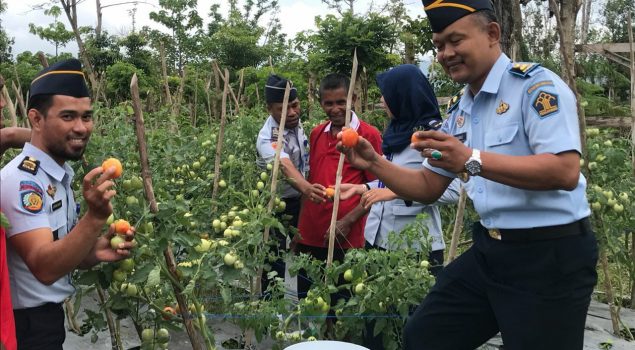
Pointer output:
x,y
269,166
618,208
147,335
127,265
115,241
149,228
119,275
222,184
596,206
264,176
137,183
163,336
196,165
132,200
608,143
127,185
202,159
131,290
359,288
230,259
260,185
624,196
110,219
348,275
216,223
238,265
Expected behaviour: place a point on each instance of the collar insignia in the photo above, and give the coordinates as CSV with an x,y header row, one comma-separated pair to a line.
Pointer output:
x,y
460,120
51,190
502,107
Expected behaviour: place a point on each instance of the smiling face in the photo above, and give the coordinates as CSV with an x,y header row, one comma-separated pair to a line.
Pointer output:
x,y
333,103
468,48
293,113
65,130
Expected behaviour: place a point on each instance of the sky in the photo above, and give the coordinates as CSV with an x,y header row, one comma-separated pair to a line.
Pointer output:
x,y
295,16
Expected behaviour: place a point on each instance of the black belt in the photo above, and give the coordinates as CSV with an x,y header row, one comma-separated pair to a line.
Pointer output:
x,y
541,233
42,308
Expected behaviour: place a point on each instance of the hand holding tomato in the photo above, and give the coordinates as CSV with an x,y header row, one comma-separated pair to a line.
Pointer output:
x,y
103,251
361,155
97,189
315,193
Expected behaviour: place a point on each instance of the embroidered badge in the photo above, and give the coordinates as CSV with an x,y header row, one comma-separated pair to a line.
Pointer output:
x,y
51,191
56,205
30,165
545,104
460,120
30,186
539,84
502,108
32,201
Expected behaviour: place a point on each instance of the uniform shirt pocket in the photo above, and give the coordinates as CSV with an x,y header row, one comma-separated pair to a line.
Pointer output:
x,y
501,136
58,223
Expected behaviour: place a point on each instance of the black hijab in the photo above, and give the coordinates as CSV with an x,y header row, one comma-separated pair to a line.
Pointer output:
x,y
412,103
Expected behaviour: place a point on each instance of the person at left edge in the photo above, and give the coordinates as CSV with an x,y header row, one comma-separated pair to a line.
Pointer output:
x,y
294,161
46,240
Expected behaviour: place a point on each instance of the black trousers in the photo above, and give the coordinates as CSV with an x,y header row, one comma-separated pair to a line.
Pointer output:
x,y
40,328
321,254
280,240
535,293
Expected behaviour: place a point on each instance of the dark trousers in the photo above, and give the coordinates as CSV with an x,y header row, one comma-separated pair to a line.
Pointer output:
x,y
280,242
535,293
321,254
373,342
40,328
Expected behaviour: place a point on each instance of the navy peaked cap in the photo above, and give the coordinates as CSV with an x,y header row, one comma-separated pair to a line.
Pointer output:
x,y
442,13
274,89
62,78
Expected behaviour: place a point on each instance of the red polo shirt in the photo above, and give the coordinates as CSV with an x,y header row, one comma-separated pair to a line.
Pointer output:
x,y
7,325
315,218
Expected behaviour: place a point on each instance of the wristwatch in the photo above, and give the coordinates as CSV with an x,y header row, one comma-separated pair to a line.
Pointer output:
x,y
473,166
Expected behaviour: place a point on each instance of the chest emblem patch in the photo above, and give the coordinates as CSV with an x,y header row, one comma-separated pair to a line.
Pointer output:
x,y
460,121
502,107
545,104
51,190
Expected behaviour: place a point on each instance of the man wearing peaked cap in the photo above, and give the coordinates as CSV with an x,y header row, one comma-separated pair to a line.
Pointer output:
x,y
46,240
512,136
294,159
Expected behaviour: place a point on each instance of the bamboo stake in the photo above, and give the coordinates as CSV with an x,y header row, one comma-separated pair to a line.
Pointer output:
x,y
43,61
257,94
219,144
154,208
458,226
632,45
231,91
10,106
164,70
18,96
216,88
340,165
271,66
241,85
109,320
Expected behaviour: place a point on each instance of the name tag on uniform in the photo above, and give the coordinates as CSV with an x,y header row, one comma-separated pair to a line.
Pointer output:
x,y
274,134
56,205
461,137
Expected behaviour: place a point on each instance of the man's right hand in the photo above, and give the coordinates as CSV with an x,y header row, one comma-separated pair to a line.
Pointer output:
x,y
98,192
362,156
315,193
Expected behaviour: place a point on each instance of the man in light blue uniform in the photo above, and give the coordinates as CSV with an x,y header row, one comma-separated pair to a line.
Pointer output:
x,y
513,136
294,160
46,239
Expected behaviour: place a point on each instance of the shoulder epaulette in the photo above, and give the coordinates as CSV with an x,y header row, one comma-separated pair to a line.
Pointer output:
x,y
522,69
454,101
30,165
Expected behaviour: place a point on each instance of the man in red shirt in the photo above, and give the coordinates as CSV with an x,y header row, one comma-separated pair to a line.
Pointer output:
x,y
315,218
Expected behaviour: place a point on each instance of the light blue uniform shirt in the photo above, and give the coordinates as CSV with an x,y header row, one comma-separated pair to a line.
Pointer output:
x,y
393,216
295,149
521,114
31,201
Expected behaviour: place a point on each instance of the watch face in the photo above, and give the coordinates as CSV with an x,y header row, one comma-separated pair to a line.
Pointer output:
x,y
473,167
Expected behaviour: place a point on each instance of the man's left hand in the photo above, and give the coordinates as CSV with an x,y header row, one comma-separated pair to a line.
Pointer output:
x,y
342,229
103,252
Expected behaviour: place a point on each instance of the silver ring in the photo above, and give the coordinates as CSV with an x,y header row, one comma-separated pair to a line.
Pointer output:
x,y
436,155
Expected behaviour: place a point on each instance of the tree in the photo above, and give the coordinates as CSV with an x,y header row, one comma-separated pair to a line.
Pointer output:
x,y
331,48
181,17
55,32
5,40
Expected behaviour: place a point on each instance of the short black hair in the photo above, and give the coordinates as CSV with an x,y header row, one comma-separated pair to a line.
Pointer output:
x,y
486,17
334,81
41,103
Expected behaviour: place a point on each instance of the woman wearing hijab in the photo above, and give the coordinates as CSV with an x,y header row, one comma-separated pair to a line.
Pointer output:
x,y
411,105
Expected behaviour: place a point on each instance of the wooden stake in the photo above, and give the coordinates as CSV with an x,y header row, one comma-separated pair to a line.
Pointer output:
x,y
458,226
43,61
164,70
340,165
219,144
632,46
231,91
10,106
18,96
154,208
